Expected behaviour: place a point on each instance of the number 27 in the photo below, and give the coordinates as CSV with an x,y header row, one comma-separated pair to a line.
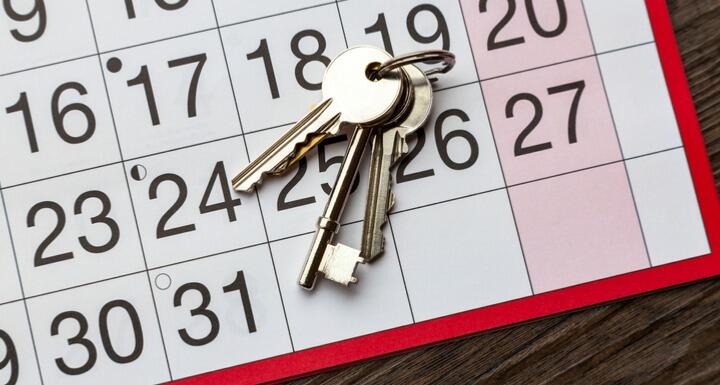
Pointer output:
x,y
520,148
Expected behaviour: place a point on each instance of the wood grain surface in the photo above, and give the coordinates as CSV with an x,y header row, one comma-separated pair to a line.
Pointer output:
x,y
671,337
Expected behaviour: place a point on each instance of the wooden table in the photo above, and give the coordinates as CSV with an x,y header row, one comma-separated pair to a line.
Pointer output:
x,y
671,337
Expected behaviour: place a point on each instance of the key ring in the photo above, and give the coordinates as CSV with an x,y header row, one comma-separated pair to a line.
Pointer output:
x,y
446,57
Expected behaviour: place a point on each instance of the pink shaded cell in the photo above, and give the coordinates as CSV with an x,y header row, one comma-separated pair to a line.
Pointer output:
x,y
506,41
578,228
554,97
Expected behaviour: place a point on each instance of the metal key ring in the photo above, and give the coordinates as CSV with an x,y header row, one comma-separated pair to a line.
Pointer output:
x,y
447,59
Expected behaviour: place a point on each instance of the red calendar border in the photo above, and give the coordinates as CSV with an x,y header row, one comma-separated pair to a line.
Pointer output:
x,y
525,309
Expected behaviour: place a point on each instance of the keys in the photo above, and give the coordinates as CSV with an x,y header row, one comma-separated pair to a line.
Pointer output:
x,y
388,147
381,100
338,262
350,98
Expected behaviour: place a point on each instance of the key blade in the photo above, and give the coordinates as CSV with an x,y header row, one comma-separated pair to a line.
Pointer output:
x,y
388,148
323,121
380,197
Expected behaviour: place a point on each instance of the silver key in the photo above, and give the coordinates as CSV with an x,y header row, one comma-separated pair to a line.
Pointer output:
x,y
337,263
350,98
388,147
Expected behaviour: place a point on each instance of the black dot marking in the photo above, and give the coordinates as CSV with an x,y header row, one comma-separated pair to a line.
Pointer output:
x,y
114,65
138,172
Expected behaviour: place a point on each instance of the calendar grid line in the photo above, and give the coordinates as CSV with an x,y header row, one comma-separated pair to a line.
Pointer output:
x,y
402,272
617,137
257,194
579,58
508,187
342,25
409,209
22,287
295,10
10,302
497,154
129,194
55,63
151,42
79,286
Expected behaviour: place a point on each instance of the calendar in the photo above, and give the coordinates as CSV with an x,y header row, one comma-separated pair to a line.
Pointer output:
x,y
562,166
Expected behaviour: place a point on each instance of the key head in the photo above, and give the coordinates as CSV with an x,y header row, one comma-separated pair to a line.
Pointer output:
x,y
423,94
359,99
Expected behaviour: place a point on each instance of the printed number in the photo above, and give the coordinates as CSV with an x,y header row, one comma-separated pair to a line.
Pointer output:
x,y
441,32
494,43
442,142
38,10
263,52
218,176
202,310
143,79
324,164
92,354
520,149
102,217
10,359
168,6
58,116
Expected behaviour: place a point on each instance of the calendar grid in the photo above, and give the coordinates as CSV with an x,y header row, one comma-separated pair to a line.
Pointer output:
x,y
497,154
271,238
617,136
22,287
127,185
256,193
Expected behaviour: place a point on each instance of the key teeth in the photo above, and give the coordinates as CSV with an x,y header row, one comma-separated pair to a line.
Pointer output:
x,y
299,149
339,264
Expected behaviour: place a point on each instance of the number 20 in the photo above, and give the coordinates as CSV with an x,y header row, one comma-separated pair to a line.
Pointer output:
x,y
493,42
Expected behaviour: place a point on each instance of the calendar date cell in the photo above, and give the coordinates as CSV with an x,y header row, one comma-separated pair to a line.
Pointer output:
x,y
17,359
111,336
509,36
277,64
618,24
640,100
220,311
123,23
407,26
551,121
73,230
186,207
9,283
450,268
452,156
40,32
292,202
170,94
57,125
668,207
378,302
579,227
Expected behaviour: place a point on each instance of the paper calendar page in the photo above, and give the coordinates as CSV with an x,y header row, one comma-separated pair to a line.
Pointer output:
x,y
562,166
